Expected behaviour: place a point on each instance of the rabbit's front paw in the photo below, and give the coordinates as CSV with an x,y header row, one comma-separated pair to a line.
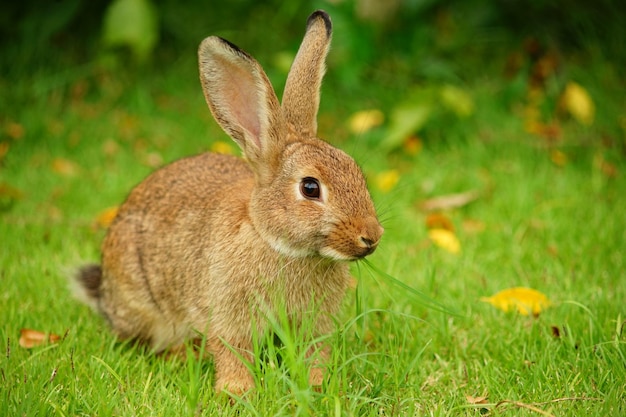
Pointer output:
x,y
235,384
316,377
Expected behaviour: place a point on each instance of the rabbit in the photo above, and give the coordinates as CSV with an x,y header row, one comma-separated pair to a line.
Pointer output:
x,y
216,244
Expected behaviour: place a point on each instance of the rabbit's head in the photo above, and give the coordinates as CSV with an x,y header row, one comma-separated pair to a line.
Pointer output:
x,y
309,198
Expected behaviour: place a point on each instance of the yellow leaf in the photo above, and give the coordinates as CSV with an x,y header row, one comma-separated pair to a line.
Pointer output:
x,y
65,167
578,103
222,147
106,217
365,120
445,239
525,300
386,180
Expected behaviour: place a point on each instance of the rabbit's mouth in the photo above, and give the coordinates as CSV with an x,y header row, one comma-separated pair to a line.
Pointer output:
x,y
328,252
350,250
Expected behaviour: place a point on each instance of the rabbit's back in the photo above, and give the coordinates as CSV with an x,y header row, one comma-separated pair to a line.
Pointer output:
x,y
155,265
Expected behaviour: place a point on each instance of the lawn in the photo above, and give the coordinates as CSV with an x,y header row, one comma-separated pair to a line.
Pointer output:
x,y
543,206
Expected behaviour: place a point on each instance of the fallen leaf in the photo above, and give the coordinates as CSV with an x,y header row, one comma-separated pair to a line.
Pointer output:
x,y
14,130
105,217
558,158
577,102
551,132
4,149
605,167
412,145
449,201
365,120
31,338
110,147
439,221
445,239
9,192
386,180
222,148
153,159
65,167
608,169
525,300
476,400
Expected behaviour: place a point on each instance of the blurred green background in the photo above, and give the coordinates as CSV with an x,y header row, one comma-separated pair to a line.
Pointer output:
x,y
519,105
386,53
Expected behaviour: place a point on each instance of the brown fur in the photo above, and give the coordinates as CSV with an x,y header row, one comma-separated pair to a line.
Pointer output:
x,y
214,244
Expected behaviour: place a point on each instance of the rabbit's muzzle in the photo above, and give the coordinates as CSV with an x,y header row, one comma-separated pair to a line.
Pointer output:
x,y
367,242
352,242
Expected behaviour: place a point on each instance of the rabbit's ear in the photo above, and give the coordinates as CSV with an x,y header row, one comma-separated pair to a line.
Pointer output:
x,y
301,98
241,99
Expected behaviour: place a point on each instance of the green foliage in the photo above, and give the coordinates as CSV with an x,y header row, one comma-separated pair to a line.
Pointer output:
x,y
131,23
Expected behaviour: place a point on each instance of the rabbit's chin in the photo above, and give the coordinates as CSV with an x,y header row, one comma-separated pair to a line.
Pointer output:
x,y
284,248
330,253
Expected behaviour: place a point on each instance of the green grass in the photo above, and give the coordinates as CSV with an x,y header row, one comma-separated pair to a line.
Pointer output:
x,y
558,228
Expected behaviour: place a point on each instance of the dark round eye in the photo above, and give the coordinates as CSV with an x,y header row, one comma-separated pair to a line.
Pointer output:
x,y
310,188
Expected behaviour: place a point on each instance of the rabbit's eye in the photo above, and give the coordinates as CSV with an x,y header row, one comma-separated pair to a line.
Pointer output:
x,y
310,188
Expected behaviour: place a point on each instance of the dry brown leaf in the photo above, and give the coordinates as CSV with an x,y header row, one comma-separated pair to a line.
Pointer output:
x,y
32,338
14,130
449,201
10,192
476,400
110,147
439,221
412,145
605,167
4,149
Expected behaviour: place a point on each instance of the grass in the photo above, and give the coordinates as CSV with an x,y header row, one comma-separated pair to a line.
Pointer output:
x,y
556,225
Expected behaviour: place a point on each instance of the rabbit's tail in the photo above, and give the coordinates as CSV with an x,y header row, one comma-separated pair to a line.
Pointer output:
x,y
87,284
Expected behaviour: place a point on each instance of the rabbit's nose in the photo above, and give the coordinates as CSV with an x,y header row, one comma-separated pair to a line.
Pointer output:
x,y
370,237
367,242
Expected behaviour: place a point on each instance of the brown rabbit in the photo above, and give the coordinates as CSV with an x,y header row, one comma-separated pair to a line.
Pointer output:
x,y
216,244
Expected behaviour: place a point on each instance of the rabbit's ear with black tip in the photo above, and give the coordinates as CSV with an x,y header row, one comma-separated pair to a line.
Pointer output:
x,y
301,97
242,101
